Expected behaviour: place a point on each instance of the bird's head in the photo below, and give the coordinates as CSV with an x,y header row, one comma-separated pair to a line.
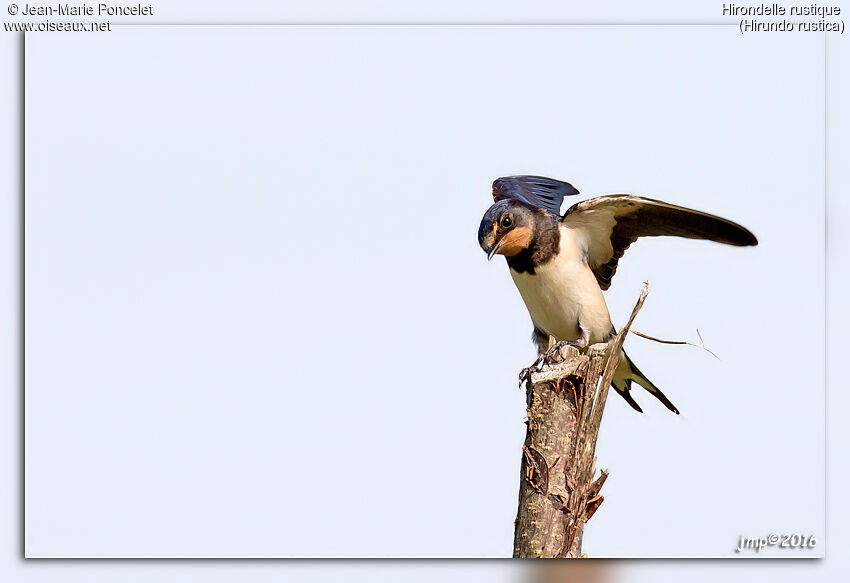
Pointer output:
x,y
507,228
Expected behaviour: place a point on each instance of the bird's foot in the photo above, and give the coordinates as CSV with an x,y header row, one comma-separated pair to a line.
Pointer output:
x,y
550,357
554,354
536,366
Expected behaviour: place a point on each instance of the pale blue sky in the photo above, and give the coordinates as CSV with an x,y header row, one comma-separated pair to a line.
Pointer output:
x,y
254,291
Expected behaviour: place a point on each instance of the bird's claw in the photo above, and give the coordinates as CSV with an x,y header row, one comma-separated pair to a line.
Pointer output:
x,y
550,357
554,355
536,366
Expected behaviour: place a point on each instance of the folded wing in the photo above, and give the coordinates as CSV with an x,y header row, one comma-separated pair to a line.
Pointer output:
x,y
609,224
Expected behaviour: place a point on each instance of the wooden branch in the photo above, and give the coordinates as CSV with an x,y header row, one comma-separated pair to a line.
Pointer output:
x,y
558,494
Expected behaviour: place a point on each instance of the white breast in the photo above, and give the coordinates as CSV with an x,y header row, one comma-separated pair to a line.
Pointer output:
x,y
564,292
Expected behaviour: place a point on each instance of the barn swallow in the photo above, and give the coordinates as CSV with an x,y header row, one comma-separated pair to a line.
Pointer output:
x,y
562,264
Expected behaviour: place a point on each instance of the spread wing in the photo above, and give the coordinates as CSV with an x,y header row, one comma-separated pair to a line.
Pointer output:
x,y
609,224
538,191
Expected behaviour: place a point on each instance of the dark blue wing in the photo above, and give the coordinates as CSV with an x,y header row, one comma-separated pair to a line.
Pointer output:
x,y
537,191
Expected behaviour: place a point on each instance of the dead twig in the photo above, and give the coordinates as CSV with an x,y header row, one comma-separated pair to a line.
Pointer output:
x,y
659,340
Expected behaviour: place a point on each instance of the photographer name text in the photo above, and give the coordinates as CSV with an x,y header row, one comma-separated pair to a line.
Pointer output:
x,y
102,9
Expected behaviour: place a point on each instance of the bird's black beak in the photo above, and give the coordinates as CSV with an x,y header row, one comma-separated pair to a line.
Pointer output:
x,y
488,234
488,240
494,249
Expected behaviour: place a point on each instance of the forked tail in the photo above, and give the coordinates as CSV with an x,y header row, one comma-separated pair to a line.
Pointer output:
x,y
622,383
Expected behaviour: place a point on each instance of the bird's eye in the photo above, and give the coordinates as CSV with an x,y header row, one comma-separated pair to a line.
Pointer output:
x,y
506,222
